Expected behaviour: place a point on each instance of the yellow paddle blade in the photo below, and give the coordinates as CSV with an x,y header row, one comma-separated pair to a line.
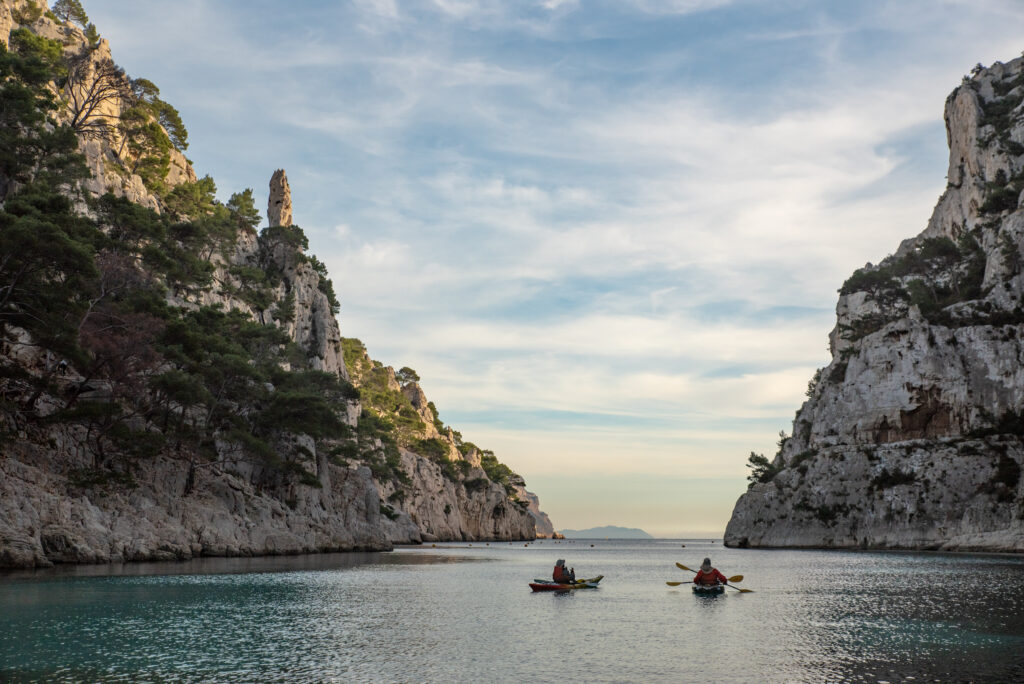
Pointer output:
x,y
675,584
736,578
683,567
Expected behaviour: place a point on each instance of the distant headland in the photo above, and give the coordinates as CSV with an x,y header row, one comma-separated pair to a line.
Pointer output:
x,y
607,532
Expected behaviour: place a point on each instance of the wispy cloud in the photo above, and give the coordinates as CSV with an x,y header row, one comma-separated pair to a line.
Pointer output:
x,y
678,6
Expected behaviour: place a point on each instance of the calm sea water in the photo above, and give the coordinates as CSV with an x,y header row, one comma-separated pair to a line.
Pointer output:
x,y
464,613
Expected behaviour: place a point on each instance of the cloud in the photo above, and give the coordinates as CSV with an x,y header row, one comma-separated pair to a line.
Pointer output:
x,y
381,8
678,6
458,8
559,4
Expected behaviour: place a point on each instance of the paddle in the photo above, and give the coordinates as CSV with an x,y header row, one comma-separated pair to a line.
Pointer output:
x,y
731,579
734,578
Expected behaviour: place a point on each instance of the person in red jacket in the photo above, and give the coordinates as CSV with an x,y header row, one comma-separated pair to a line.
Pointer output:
x,y
709,576
561,574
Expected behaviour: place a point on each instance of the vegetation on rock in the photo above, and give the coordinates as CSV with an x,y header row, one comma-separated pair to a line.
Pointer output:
x,y
401,425
137,376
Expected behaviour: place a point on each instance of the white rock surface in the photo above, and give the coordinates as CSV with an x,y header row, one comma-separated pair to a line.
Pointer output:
x,y
443,509
46,519
6,24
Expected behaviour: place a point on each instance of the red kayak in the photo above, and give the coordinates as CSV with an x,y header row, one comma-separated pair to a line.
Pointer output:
x,y
545,585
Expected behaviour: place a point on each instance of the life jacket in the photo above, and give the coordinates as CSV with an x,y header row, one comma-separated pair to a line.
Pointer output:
x,y
710,578
560,574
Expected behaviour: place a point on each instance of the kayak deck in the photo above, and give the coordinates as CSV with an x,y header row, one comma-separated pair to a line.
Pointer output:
x,y
550,585
711,590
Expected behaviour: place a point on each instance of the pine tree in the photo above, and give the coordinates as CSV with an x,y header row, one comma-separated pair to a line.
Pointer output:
x,y
243,209
71,11
92,35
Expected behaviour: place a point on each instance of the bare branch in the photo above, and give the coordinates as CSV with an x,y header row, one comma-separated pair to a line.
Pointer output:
x,y
93,91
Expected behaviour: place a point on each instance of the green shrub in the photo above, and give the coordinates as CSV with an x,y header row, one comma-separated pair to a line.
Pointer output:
x,y
434,449
1008,472
41,58
826,513
874,280
476,484
939,248
27,14
894,478
998,201
761,469
497,471
812,384
803,456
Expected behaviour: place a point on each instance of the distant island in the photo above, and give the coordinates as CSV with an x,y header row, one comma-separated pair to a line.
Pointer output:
x,y
607,532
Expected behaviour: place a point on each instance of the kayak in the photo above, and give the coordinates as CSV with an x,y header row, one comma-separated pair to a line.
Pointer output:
x,y
550,585
712,590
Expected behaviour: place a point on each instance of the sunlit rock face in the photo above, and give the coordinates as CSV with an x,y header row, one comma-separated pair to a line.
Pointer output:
x,y
279,206
912,436
440,508
543,523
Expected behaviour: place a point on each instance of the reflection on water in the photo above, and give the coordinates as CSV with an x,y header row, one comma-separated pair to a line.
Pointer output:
x,y
465,613
232,566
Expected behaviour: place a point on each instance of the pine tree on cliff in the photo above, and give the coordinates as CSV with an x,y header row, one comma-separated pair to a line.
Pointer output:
x,y
71,11
92,35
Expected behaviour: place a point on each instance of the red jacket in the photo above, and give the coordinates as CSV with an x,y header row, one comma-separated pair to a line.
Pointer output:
x,y
710,578
560,574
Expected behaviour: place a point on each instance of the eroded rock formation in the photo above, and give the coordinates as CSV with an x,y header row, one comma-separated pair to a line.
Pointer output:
x,y
279,206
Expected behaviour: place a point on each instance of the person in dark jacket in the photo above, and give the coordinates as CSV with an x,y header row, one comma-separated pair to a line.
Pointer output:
x,y
709,576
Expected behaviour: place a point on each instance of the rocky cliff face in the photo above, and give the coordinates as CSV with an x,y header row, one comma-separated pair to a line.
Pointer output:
x,y
357,491
435,486
912,436
545,528
436,507
172,513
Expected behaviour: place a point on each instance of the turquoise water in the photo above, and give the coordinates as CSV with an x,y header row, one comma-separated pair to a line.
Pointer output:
x,y
464,613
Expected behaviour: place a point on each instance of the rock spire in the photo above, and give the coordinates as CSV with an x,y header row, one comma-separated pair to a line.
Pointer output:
x,y
279,207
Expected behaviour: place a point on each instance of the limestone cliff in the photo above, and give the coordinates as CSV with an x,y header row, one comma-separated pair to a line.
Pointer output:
x,y
545,528
435,485
220,416
912,436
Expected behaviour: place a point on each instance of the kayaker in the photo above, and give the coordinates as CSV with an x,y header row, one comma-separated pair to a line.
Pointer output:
x,y
709,576
560,574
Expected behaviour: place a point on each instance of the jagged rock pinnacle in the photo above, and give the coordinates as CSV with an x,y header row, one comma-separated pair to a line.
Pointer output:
x,y
279,207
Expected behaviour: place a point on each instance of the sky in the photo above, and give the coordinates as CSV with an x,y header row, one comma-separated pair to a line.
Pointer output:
x,y
607,235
